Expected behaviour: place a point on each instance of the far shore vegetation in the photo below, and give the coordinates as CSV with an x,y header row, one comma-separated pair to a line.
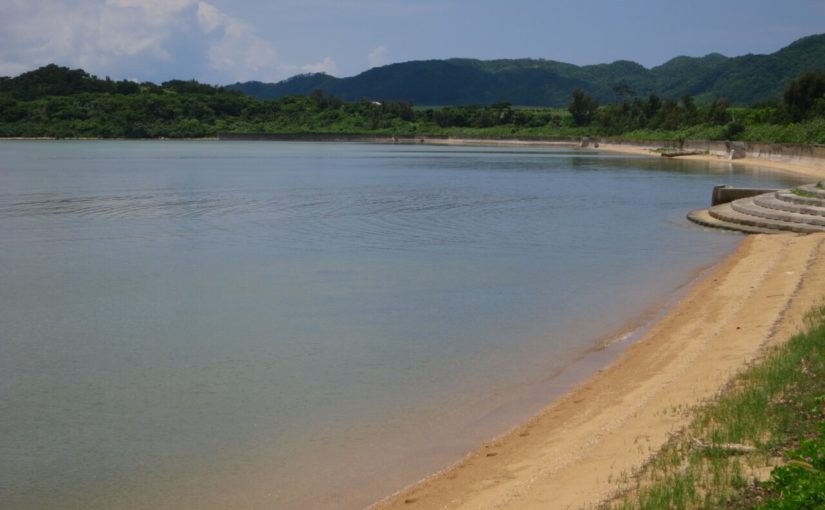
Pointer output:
x,y
759,445
59,102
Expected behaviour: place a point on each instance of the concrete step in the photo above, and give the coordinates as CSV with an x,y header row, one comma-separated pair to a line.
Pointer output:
x,y
703,217
789,196
726,213
749,207
770,201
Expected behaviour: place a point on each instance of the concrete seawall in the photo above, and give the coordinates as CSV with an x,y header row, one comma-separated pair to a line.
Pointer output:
x,y
809,155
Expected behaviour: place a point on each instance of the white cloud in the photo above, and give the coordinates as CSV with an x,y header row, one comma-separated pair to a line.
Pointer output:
x,y
378,56
85,33
157,10
30,32
243,57
120,32
327,66
103,35
239,53
210,17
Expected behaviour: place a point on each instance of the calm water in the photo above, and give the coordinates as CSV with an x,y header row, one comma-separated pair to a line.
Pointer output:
x,y
289,325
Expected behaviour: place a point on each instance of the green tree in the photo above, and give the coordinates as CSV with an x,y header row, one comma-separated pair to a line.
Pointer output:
x,y
690,112
652,106
320,101
582,107
802,94
718,113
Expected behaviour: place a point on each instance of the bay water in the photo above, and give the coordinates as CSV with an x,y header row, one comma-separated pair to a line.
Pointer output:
x,y
311,325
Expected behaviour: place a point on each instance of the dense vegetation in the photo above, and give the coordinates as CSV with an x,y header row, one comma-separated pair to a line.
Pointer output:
x,y
772,414
59,102
742,80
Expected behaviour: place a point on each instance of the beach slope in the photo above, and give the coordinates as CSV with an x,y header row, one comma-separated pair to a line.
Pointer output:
x,y
585,446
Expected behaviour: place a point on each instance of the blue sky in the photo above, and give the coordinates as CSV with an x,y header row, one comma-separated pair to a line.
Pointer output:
x,y
223,41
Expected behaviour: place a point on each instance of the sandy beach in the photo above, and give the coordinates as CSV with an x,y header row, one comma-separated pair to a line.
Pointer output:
x,y
584,446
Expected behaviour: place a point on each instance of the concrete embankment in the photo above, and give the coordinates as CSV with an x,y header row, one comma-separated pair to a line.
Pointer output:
x,y
812,156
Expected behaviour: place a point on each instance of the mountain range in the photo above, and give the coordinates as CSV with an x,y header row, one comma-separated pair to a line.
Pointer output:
x,y
743,80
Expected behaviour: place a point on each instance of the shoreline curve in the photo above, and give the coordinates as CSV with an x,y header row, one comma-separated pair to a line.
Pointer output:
x,y
581,448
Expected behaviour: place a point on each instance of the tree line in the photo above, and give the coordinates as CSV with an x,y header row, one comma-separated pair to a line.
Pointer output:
x,y
804,100
55,101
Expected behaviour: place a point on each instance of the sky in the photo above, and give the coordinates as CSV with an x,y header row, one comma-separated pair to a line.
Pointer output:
x,y
224,41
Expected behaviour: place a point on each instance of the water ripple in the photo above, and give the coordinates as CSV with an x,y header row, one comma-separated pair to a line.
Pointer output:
x,y
381,218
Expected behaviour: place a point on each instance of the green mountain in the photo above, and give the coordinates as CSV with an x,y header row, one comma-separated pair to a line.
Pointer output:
x,y
743,80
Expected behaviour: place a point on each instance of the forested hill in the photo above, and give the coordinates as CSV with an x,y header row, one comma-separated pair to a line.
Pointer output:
x,y
743,80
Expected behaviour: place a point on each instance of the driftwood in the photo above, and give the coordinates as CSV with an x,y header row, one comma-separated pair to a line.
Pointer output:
x,y
731,448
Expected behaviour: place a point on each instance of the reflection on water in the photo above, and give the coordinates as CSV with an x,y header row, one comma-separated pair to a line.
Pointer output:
x,y
196,325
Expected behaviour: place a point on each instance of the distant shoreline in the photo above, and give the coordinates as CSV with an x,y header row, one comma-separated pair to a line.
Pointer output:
x,y
801,160
402,139
806,161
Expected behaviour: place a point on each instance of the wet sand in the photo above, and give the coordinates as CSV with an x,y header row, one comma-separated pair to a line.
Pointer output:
x,y
583,447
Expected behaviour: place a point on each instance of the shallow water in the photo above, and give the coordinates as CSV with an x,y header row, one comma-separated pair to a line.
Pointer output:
x,y
285,325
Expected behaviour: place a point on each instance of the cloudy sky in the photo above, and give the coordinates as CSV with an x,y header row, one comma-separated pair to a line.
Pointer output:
x,y
223,41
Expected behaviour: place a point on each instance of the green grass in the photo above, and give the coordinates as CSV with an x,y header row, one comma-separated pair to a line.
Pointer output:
x,y
804,194
777,408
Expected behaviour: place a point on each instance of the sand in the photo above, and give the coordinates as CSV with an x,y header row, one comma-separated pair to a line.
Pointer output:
x,y
584,446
